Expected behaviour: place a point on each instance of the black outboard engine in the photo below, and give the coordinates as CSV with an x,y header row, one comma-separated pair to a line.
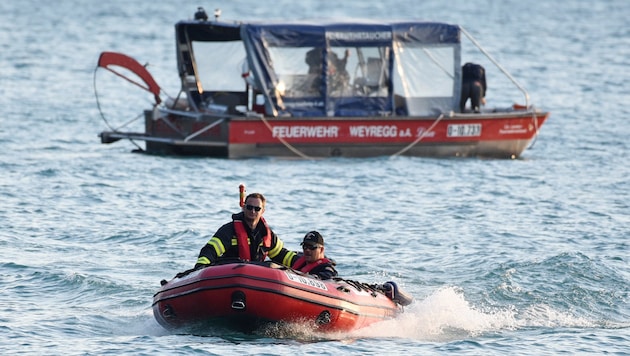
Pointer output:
x,y
396,294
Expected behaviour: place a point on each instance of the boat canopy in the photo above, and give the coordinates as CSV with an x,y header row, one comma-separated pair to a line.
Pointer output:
x,y
342,69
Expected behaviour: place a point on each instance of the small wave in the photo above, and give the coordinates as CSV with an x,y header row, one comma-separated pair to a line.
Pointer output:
x,y
446,315
542,315
564,282
136,237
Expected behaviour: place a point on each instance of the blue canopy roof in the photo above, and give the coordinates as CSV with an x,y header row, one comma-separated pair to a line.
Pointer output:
x,y
302,34
269,48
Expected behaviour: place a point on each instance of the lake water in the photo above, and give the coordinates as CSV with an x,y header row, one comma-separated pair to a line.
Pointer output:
x,y
526,256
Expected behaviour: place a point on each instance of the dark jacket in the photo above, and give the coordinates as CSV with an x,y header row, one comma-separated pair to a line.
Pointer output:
x,y
472,72
224,244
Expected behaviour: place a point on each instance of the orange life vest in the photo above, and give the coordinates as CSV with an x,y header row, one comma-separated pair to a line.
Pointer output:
x,y
242,239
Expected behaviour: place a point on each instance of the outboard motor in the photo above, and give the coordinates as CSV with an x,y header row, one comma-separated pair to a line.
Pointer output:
x,y
396,294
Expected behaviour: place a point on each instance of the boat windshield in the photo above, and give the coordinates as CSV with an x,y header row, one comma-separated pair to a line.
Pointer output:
x,y
349,72
220,65
425,71
427,78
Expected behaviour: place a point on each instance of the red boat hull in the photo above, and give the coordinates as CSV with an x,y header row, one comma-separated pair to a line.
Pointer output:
x,y
245,295
496,135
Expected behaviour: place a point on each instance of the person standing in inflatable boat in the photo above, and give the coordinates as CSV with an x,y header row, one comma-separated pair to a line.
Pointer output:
x,y
312,260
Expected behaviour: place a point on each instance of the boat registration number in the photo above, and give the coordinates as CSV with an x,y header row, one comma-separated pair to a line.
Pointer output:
x,y
306,281
463,130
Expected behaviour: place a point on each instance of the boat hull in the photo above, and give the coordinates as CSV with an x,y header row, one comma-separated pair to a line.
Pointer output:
x,y
247,295
495,135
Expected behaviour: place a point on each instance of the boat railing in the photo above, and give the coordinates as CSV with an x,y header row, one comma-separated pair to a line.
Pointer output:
x,y
192,115
122,126
503,70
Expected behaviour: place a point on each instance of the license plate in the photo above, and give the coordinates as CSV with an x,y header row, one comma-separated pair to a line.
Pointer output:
x,y
463,130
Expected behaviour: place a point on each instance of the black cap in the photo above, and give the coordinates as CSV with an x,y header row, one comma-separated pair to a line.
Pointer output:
x,y
313,237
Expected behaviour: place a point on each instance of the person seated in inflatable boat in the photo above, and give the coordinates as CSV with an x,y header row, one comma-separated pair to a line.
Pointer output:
x,y
313,260
247,237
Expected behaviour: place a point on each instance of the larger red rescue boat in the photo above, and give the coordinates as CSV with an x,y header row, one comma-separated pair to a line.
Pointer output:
x,y
278,89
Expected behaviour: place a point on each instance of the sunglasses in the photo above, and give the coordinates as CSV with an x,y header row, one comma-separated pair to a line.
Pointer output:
x,y
251,207
310,247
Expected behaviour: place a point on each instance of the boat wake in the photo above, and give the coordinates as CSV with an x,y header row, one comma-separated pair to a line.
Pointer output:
x,y
446,315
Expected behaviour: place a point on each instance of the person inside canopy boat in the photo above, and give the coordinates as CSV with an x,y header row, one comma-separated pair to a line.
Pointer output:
x,y
337,72
313,260
473,87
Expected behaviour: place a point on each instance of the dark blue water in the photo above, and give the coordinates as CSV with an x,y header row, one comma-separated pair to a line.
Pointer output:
x,y
525,256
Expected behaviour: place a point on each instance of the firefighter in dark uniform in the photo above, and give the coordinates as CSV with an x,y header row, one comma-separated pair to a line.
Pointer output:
x,y
312,260
473,87
247,237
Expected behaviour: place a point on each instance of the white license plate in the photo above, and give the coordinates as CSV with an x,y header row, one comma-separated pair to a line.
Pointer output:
x,y
463,130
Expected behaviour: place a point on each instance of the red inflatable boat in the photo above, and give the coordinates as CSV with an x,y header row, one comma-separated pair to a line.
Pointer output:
x,y
247,295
